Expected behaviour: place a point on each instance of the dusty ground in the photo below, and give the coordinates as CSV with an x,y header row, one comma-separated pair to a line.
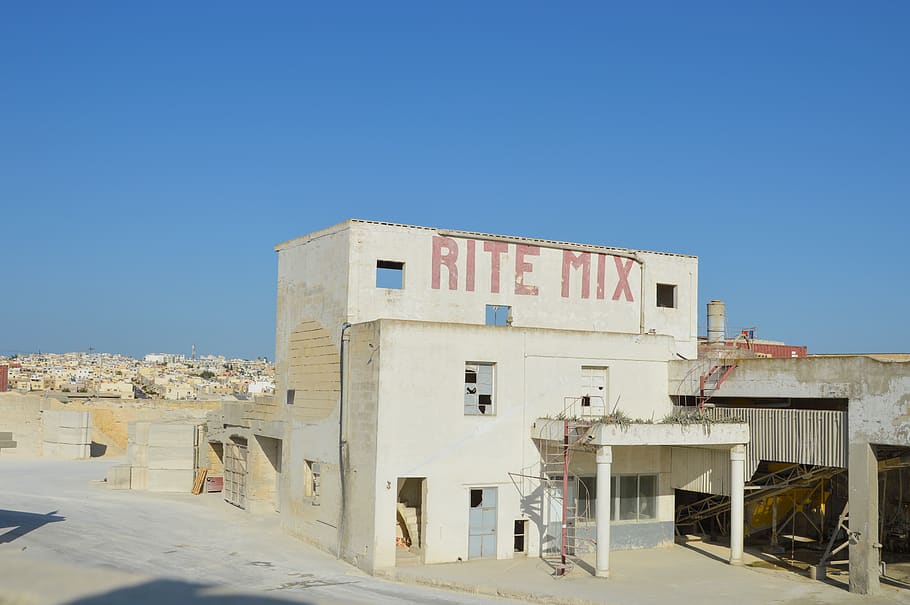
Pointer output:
x,y
65,538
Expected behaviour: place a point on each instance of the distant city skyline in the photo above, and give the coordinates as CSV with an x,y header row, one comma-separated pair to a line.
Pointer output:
x,y
151,156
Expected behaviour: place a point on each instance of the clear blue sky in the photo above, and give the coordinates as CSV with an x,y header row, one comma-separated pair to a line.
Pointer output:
x,y
151,154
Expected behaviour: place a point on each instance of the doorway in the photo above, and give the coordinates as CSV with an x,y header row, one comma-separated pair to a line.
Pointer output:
x,y
235,465
482,523
410,520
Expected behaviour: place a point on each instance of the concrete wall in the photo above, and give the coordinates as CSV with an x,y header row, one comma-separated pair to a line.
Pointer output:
x,y
21,414
162,456
66,434
264,468
543,282
312,287
634,460
111,418
424,432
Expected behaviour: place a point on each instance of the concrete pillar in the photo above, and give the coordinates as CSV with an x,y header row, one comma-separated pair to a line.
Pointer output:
x,y
602,510
865,552
737,489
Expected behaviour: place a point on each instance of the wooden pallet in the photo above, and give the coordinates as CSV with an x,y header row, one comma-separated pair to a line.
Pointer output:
x,y
200,480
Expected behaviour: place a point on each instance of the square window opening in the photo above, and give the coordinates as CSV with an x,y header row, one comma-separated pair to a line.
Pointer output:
x,y
666,296
389,274
499,315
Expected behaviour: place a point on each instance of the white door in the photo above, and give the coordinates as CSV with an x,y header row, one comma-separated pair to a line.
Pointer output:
x,y
482,523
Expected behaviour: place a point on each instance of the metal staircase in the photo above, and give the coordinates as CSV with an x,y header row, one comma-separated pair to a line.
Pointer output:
x,y
709,383
563,489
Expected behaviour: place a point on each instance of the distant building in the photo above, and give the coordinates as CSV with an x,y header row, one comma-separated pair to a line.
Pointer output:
x,y
746,346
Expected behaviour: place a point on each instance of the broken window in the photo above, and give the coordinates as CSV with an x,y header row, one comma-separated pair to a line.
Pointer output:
x,y
389,274
666,296
478,388
594,389
634,497
499,315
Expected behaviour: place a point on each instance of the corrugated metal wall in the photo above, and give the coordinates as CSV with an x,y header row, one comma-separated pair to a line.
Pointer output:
x,y
699,469
817,437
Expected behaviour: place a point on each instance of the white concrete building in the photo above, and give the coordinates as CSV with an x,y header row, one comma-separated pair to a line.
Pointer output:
x,y
419,376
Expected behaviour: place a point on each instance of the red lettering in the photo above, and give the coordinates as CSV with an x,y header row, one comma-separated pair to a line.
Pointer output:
x,y
496,250
601,275
469,277
570,260
622,287
522,267
448,259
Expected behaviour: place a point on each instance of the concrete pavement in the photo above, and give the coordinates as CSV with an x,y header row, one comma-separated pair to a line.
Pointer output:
x,y
67,539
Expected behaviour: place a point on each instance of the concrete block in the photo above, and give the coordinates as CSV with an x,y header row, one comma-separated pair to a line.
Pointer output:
x,y
118,476
174,458
137,455
63,434
67,451
139,477
160,480
142,432
67,418
171,435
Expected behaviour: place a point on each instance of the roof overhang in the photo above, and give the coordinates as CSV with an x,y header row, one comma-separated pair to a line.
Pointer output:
x,y
693,434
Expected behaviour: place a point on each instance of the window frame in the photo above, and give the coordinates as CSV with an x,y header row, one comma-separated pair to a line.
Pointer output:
x,y
477,408
387,268
492,315
616,498
658,297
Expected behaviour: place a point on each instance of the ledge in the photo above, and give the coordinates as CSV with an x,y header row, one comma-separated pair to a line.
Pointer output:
x,y
593,433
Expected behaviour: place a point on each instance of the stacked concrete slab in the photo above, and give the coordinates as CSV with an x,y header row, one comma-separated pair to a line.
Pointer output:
x,y
22,416
118,476
67,434
137,447
162,456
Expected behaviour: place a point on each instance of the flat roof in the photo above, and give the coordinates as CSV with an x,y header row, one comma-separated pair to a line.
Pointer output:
x,y
467,234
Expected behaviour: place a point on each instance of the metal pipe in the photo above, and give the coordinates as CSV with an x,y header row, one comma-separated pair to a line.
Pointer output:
x,y
344,327
565,494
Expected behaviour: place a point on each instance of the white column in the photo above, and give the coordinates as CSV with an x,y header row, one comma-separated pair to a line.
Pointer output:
x,y
737,489
602,510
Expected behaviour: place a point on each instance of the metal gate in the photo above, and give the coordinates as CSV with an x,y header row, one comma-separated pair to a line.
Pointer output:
x,y
235,458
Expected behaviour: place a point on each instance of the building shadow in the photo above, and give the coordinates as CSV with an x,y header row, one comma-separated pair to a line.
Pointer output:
x,y
702,551
177,592
21,523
